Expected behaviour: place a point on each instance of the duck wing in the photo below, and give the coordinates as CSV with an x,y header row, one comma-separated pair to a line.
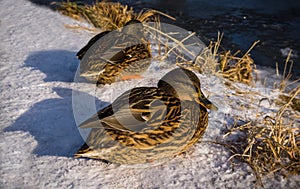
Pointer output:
x,y
135,110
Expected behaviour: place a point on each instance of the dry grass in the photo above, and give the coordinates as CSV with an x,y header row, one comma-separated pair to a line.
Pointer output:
x,y
233,66
168,43
285,83
286,75
270,144
237,68
106,15
295,102
208,59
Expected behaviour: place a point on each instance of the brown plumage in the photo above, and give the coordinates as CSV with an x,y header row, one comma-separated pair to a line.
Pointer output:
x,y
115,55
148,123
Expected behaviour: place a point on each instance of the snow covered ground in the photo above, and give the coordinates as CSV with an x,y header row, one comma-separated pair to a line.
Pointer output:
x,y
39,136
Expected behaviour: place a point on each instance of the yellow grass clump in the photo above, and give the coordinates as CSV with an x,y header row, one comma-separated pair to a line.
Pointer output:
x,y
233,66
106,15
271,144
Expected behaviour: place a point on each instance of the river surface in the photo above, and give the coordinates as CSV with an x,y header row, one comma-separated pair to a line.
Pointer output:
x,y
276,23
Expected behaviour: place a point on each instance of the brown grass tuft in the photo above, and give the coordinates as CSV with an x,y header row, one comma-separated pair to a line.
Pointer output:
x,y
106,15
235,67
286,75
271,144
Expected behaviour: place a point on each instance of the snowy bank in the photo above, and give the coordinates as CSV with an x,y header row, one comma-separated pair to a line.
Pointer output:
x,y
39,135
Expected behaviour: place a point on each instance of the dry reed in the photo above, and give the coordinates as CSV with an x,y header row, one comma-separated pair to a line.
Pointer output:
x,y
268,145
286,75
106,15
235,67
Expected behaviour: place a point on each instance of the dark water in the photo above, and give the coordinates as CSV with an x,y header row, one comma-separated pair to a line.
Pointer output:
x,y
276,23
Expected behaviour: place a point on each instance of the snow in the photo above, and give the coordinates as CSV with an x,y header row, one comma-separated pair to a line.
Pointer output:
x,y
39,135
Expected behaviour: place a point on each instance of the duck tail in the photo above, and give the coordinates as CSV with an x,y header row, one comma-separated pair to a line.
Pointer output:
x,y
83,151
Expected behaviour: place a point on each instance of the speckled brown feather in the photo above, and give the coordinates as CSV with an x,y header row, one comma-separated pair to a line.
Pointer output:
x,y
166,125
112,54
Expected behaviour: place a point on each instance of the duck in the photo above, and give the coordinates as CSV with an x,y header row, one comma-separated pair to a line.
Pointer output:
x,y
112,56
149,123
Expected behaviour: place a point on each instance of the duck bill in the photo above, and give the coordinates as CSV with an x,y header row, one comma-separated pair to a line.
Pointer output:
x,y
206,103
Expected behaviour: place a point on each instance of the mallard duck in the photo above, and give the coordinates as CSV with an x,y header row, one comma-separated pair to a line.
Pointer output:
x,y
115,55
149,123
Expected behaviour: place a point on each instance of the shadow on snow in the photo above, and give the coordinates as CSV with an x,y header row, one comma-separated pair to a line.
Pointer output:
x,y
51,123
58,65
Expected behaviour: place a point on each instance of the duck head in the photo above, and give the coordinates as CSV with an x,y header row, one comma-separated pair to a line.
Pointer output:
x,y
185,85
